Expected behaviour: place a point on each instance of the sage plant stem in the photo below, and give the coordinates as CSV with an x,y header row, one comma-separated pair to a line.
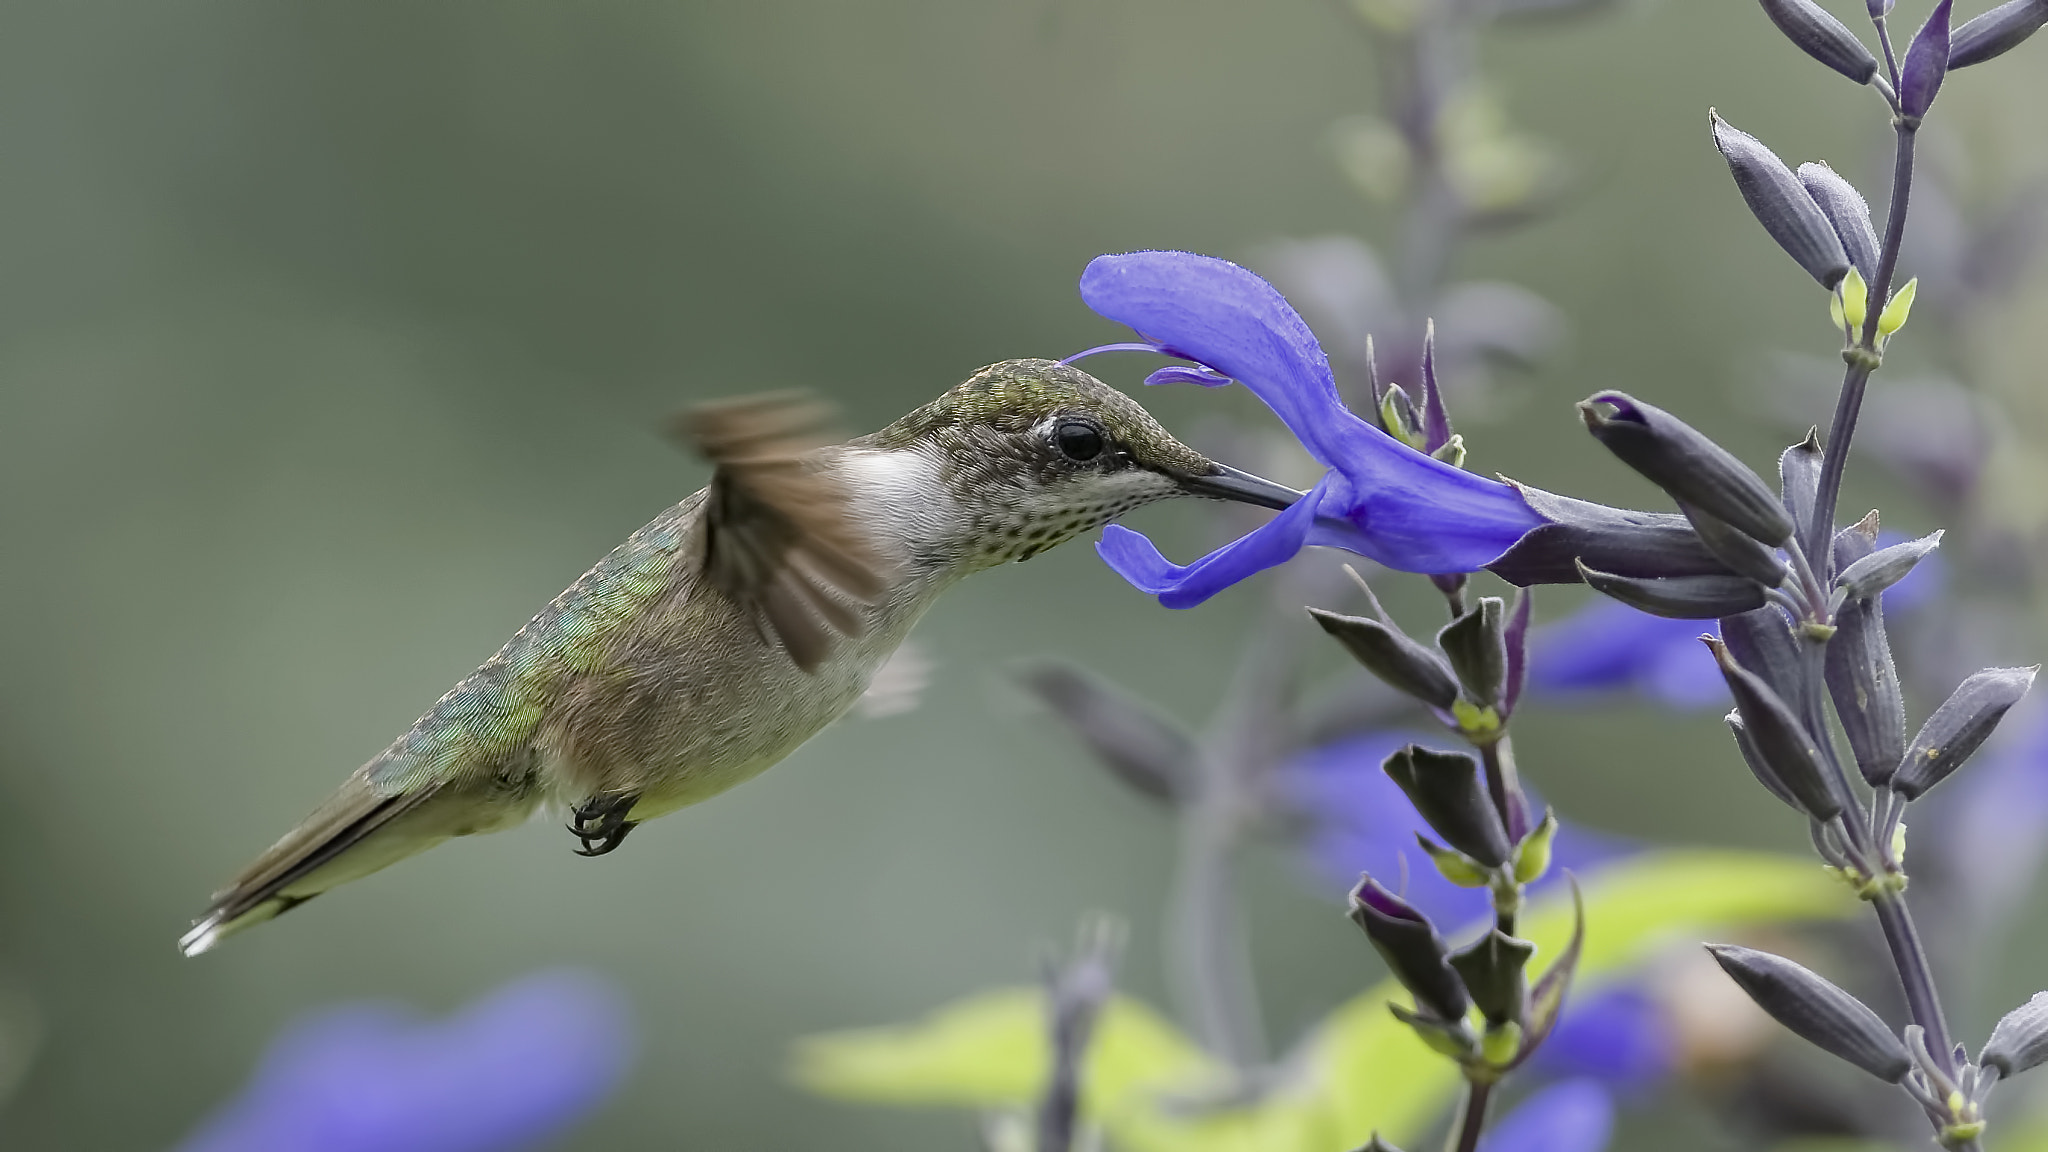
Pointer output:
x,y
1914,974
1472,1121
1863,358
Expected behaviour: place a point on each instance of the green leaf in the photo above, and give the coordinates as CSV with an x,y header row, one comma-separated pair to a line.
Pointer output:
x,y
990,1050
1153,1090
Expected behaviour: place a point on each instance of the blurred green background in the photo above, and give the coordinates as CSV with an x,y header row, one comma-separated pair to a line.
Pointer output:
x,y
334,340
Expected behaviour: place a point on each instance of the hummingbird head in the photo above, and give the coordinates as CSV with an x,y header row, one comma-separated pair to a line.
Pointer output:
x,y
1027,454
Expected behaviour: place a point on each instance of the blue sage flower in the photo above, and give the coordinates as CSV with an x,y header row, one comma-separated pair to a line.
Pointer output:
x,y
1380,498
1608,646
508,1072
1570,1116
1619,1035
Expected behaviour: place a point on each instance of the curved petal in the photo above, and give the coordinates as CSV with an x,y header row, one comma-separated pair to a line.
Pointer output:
x,y
1133,557
1213,312
1410,512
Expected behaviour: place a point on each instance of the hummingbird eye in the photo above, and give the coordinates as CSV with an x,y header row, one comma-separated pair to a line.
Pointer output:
x,y
1077,440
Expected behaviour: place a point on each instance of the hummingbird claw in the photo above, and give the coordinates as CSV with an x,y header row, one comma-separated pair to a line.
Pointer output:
x,y
600,823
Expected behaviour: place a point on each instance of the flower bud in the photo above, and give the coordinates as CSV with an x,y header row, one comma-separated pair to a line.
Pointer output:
x,y
1885,567
2021,1039
1898,309
1855,542
1515,641
1389,654
1678,597
1138,745
1532,855
1739,550
1476,645
1456,867
1492,968
1758,767
1780,203
1690,467
1781,742
1762,642
1436,421
1547,994
1846,211
1864,684
1450,795
1996,32
1799,476
1816,1011
1822,37
1405,939
1621,541
1399,418
1955,730
1926,63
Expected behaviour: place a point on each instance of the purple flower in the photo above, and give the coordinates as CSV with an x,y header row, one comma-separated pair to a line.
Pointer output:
x,y
509,1071
1620,1036
1380,499
1572,1116
1357,820
1609,646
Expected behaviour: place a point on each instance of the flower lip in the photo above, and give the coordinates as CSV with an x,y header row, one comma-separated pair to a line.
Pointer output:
x,y
1227,483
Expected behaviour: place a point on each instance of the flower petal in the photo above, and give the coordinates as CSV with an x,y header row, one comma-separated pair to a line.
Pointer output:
x,y
1409,511
1133,557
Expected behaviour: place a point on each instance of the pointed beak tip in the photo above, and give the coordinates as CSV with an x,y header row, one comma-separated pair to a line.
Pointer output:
x,y
1227,483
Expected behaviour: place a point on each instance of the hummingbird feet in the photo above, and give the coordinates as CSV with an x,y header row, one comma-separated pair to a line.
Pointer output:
x,y
600,822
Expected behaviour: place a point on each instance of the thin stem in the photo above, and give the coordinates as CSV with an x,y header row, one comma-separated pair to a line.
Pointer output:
x,y
1504,786
1891,59
1473,1120
1914,975
1863,358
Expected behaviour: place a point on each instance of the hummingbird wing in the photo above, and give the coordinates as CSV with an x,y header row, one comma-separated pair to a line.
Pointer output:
x,y
779,538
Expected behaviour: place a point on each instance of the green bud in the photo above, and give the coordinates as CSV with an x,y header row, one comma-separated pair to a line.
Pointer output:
x,y
1501,1044
1398,415
1453,451
1851,297
1455,866
1532,855
1898,308
1452,1038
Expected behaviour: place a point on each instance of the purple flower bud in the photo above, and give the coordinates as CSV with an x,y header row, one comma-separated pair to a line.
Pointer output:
x,y
1926,63
2021,1039
1388,653
1412,949
1493,969
1678,597
1622,541
1477,649
1955,730
1799,466
1822,37
1135,742
1885,567
1864,684
1446,789
1761,641
1848,213
1681,460
1781,204
1816,1011
1739,550
1996,32
1758,766
1780,740
1436,420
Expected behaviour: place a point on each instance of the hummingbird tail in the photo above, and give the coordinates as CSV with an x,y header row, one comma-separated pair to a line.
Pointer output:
x,y
326,850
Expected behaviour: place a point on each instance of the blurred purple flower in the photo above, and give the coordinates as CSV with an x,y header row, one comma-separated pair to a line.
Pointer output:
x,y
1357,820
1380,499
507,1072
1619,1035
1572,1116
1992,830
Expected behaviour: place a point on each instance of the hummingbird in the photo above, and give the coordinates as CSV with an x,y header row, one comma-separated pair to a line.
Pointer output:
x,y
741,621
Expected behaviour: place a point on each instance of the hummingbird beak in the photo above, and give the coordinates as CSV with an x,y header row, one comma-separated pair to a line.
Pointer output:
x,y
1227,483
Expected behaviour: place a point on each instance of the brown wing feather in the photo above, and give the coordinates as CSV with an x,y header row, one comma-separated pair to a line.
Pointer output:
x,y
779,539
